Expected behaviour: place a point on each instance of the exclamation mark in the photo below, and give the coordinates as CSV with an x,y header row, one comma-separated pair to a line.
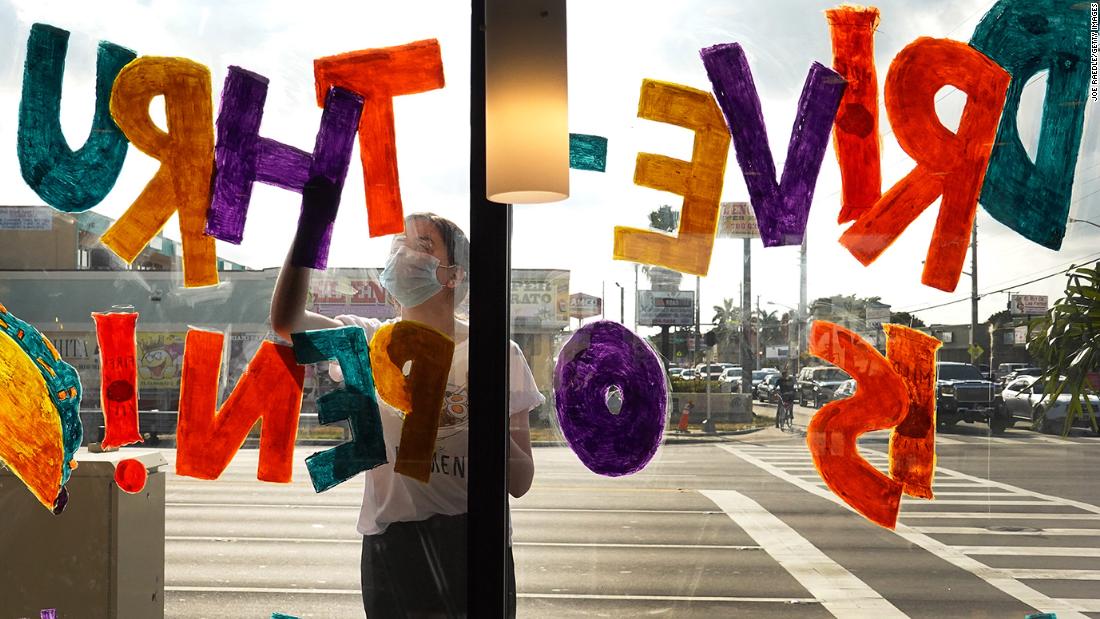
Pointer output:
x,y
116,333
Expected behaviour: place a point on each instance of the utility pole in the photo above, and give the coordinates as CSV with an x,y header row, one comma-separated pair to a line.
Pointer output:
x,y
635,297
747,357
698,327
801,304
759,333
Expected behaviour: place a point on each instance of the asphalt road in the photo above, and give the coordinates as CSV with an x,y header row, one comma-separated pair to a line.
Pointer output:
x,y
741,527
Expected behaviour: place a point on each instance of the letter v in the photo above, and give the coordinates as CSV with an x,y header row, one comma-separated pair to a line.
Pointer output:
x,y
783,208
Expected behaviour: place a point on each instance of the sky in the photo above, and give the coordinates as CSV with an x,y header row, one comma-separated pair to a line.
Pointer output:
x,y
613,46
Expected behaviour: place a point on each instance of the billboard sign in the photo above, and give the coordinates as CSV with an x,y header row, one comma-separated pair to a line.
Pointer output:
x,y
1027,304
736,220
875,315
777,352
540,298
360,295
657,308
160,359
583,305
26,218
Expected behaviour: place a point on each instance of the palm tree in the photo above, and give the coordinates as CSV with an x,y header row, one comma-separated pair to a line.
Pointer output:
x,y
769,324
1067,342
726,320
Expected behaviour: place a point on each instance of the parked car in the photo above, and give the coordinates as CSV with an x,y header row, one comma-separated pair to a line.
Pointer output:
x,y
816,383
1013,375
963,394
675,372
1021,400
713,371
731,379
758,377
846,390
1004,369
768,389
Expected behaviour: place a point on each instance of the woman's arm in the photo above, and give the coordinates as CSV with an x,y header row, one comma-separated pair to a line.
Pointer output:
x,y
521,466
288,303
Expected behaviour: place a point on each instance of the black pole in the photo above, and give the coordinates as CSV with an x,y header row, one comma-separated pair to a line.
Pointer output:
x,y
490,260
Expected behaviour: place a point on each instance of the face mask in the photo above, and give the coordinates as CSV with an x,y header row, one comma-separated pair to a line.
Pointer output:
x,y
410,276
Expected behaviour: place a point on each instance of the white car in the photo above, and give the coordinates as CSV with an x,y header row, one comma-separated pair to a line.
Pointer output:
x,y
1021,400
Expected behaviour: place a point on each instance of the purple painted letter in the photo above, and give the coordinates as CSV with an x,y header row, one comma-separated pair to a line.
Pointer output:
x,y
242,157
781,209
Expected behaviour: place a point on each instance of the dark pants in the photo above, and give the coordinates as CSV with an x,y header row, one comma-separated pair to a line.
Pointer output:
x,y
418,569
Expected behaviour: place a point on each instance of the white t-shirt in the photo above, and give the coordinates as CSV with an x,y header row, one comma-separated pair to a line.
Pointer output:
x,y
390,497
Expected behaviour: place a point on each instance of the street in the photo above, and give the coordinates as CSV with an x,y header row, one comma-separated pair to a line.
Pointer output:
x,y
732,528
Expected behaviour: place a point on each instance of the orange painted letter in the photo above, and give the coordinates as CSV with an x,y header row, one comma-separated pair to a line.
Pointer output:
x,y
855,131
420,394
270,389
699,181
880,402
913,441
379,75
948,164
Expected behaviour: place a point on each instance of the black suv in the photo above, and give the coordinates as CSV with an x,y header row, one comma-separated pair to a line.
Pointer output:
x,y
963,394
816,384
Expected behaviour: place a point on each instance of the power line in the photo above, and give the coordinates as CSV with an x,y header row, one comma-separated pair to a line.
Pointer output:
x,y
1007,288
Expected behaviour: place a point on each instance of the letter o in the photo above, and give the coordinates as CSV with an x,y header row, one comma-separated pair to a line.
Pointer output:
x,y
601,357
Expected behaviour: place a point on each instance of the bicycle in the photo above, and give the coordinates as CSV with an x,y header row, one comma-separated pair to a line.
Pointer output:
x,y
784,414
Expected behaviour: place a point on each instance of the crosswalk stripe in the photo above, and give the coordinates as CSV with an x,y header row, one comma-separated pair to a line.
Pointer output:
x,y
1038,574
995,516
1031,533
1029,551
838,590
997,578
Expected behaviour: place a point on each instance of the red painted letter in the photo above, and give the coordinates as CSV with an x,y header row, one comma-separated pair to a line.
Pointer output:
x,y
948,164
270,388
379,75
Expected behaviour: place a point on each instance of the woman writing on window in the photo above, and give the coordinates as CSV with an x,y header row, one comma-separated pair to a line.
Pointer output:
x,y
414,533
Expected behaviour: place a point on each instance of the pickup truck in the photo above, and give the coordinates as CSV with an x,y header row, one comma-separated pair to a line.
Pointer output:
x,y
963,394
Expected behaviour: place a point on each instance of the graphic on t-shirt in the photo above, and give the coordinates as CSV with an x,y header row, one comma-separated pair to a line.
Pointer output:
x,y
455,413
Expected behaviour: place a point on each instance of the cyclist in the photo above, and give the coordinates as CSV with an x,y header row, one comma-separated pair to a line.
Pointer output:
x,y
785,412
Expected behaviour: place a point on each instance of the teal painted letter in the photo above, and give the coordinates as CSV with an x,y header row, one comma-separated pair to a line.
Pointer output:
x,y
1026,37
70,181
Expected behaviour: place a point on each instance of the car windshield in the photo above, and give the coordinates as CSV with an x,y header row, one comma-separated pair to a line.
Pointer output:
x,y
830,374
760,374
959,372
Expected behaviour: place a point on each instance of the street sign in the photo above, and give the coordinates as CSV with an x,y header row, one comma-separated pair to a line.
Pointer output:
x,y
583,305
658,308
975,351
736,220
1027,304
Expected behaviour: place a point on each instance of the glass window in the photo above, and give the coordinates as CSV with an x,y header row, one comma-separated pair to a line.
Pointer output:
x,y
639,483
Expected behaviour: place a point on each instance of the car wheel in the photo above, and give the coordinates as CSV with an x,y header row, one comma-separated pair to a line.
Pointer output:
x,y
1050,426
998,425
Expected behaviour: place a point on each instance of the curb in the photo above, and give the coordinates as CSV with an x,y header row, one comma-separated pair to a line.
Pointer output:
x,y
671,438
